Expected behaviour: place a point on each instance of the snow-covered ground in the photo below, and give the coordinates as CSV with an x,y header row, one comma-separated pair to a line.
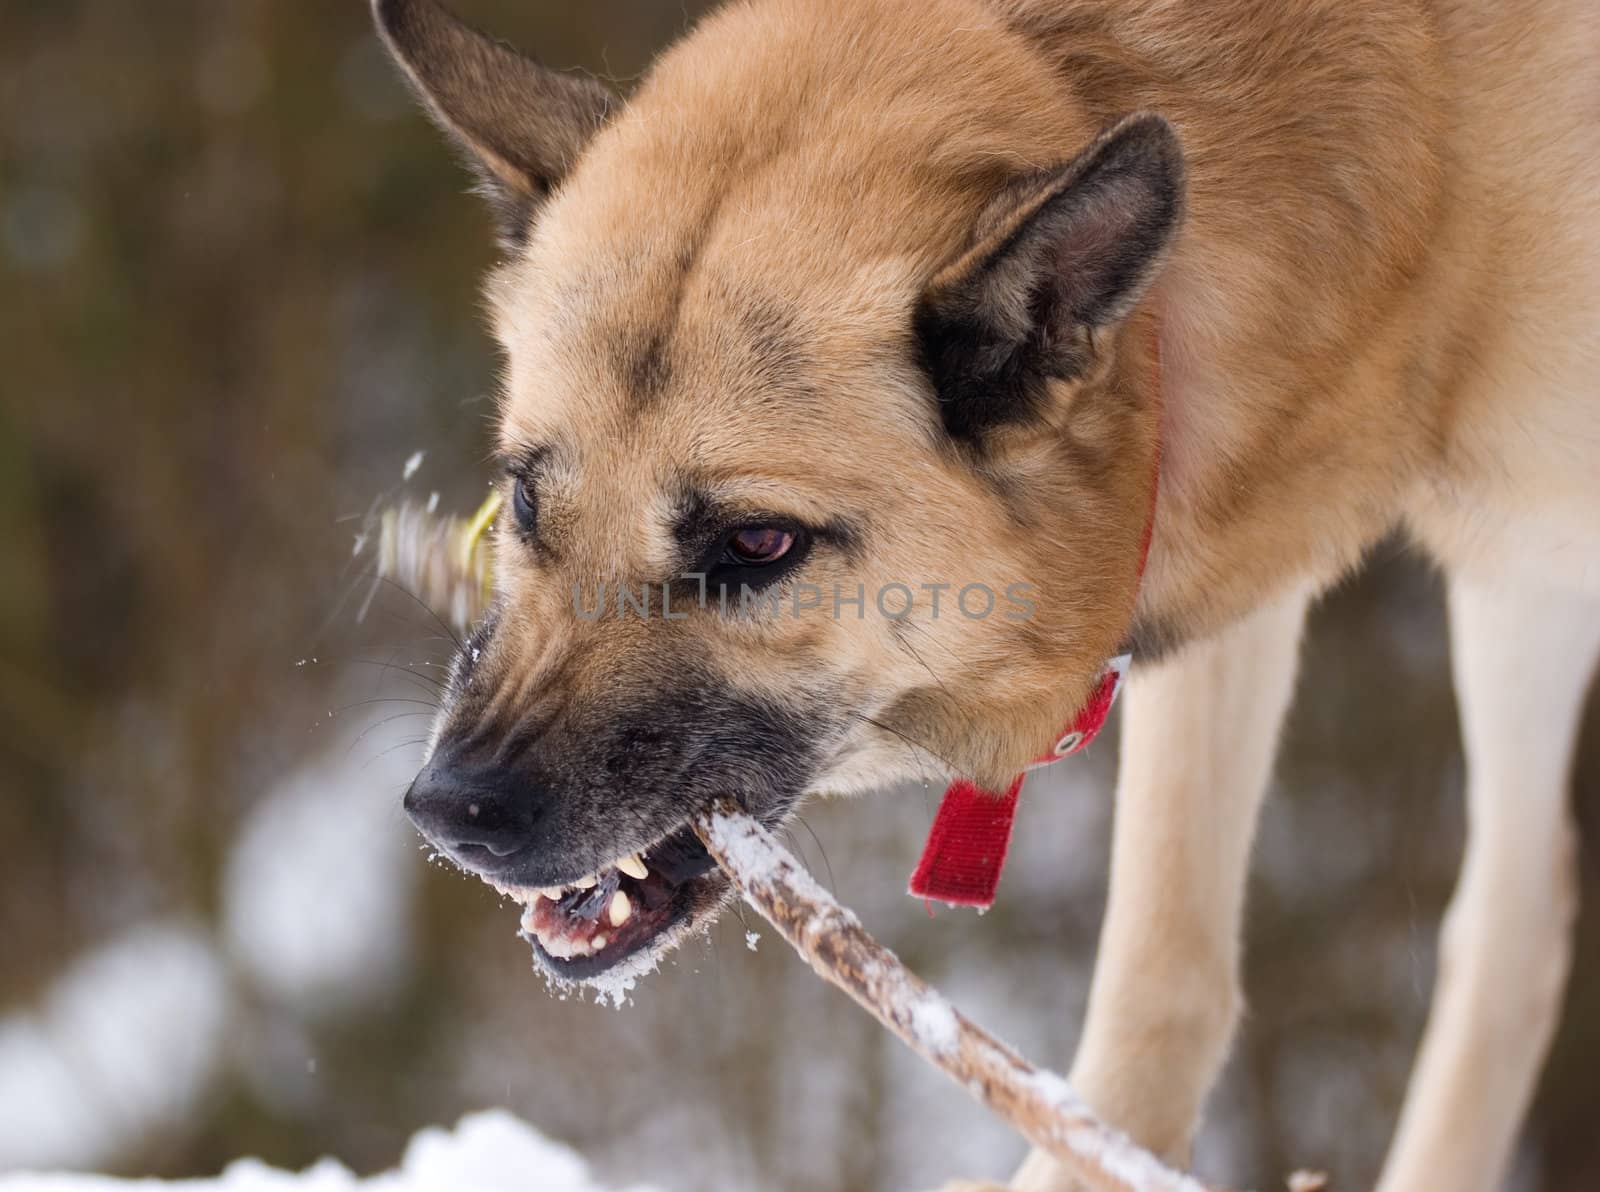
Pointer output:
x,y
122,1044
316,914
487,1152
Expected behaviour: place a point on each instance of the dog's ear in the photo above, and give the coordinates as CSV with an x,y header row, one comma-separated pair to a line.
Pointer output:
x,y
521,125
1054,258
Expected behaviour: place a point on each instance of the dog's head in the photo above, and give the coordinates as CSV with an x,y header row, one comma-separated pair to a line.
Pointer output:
x,y
827,436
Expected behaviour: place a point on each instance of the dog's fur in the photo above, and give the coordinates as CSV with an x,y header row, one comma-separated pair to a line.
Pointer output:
x,y
941,280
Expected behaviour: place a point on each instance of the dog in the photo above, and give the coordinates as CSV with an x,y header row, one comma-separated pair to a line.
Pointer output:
x,y
1146,319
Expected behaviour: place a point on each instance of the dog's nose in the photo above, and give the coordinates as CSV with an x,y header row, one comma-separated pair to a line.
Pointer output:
x,y
467,816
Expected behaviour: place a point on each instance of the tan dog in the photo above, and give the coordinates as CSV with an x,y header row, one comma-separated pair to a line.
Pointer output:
x,y
863,296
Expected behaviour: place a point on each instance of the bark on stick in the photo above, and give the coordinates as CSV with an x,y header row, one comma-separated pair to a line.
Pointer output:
x,y
1039,1104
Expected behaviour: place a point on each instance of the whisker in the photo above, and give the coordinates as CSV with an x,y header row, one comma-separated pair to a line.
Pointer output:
x,y
817,840
923,629
378,582
392,748
429,683
923,662
361,736
386,699
449,630
915,745
405,669
377,680
425,685
454,642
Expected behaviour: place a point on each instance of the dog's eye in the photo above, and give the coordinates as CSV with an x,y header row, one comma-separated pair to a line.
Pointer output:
x,y
757,556
757,546
523,502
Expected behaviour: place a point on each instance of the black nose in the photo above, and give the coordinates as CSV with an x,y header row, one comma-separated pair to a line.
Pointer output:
x,y
466,815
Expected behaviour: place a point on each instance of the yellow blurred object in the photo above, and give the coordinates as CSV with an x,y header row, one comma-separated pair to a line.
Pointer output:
x,y
444,561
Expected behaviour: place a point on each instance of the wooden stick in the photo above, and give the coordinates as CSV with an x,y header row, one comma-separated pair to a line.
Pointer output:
x,y
1041,1105
446,562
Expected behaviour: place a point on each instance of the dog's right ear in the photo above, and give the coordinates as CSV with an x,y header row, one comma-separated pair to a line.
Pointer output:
x,y
521,124
1057,257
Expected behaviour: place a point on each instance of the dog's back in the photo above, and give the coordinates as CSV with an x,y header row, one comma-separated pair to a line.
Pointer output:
x,y
1518,484
1387,298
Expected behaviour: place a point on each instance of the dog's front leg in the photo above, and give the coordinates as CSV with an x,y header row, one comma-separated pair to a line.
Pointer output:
x,y
1198,737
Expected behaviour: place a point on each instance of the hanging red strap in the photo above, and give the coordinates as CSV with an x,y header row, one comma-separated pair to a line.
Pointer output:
x,y
967,844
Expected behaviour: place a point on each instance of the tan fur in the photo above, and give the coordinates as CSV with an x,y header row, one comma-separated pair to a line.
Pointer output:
x,y
746,190
1316,320
1383,309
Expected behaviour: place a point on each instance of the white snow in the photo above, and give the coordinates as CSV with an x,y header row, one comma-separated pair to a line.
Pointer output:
x,y
1113,1151
413,462
753,854
124,1042
316,908
933,1023
318,886
487,1152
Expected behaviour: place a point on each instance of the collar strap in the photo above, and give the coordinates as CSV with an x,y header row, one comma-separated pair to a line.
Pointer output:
x,y
966,847
967,844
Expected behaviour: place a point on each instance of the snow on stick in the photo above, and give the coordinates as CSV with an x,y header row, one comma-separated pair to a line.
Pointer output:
x,y
1040,1104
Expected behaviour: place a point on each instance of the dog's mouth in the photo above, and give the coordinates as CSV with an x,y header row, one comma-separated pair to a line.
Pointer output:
x,y
636,908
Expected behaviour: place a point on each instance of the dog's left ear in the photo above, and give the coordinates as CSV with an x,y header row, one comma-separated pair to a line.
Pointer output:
x,y
521,125
1056,257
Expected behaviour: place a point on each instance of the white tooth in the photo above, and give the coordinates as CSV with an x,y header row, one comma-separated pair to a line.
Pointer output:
x,y
586,883
599,942
556,946
619,909
551,892
633,867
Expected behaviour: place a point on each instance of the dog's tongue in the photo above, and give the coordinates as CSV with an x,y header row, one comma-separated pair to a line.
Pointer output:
x,y
580,921
967,844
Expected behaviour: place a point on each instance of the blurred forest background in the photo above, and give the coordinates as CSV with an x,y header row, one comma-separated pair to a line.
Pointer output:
x,y
238,279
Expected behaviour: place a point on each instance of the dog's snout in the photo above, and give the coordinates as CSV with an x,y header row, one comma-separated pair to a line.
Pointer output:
x,y
470,819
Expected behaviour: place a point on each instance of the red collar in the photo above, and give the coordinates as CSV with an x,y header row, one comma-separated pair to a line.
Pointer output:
x,y
966,848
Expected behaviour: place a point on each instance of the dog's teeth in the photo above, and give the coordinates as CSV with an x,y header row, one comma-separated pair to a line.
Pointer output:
x,y
633,867
553,893
599,941
586,883
619,909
